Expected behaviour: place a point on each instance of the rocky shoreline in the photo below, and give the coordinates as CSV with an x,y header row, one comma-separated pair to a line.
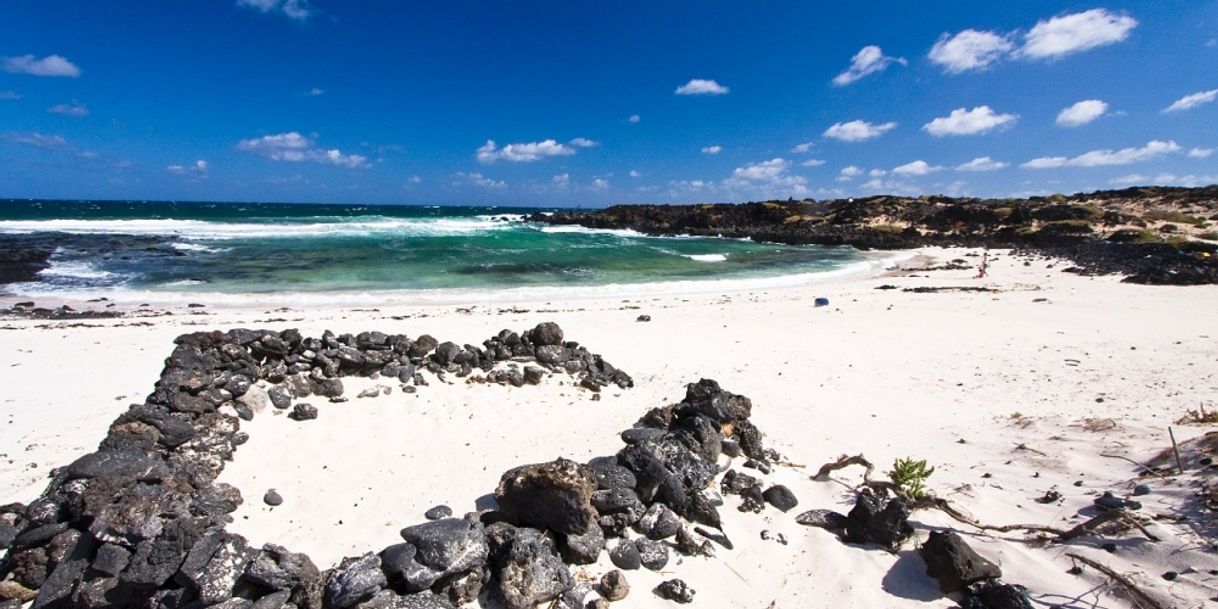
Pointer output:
x,y
1153,235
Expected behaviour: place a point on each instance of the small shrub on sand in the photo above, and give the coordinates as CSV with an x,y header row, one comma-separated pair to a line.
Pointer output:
x,y
1166,215
910,476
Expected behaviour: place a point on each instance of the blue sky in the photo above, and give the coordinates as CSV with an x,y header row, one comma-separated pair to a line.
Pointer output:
x,y
579,103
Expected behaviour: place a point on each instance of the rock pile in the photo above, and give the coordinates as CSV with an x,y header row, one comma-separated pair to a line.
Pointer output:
x,y
141,521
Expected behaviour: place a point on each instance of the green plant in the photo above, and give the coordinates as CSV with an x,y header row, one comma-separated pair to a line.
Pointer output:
x,y
910,476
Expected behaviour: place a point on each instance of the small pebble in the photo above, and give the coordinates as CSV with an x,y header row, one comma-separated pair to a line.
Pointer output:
x,y
1170,575
1141,489
272,498
438,512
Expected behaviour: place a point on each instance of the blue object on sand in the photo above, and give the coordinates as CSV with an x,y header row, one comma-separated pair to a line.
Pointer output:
x,y
822,302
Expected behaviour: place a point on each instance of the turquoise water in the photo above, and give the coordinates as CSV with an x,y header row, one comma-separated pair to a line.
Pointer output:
x,y
265,248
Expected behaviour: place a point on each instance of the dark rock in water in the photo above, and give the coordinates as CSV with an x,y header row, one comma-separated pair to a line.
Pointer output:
x,y
780,497
659,522
303,412
546,333
272,498
449,545
824,519
583,549
675,590
555,495
625,555
528,571
652,554
609,474
613,586
438,512
355,580
878,518
991,594
953,563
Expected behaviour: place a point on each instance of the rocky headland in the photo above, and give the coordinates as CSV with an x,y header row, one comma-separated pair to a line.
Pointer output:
x,y
1153,235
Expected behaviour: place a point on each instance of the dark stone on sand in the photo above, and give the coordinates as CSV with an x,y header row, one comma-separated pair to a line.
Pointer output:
x,y
528,571
555,496
438,512
610,475
546,333
675,590
272,498
780,497
652,554
659,522
613,586
953,563
355,580
824,519
880,519
303,412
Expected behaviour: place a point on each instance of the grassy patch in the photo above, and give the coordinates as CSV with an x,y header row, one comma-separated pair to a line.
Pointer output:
x,y
1167,215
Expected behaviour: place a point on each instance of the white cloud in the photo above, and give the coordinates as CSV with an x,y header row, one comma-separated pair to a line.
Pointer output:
x,y
969,50
414,179
1105,158
75,109
699,86
314,92
1200,153
478,179
583,142
561,181
634,119
869,60
600,184
1166,179
1189,102
771,177
858,131
877,173
982,163
198,169
803,148
635,174
293,9
9,95
522,153
294,147
38,140
812,163
716,149
1133,178
1066,34
51,65
969,122
916,168
848,173
1081,113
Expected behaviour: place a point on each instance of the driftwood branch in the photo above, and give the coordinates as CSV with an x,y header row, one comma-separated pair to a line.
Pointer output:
x,y
1145,468
842,463
1140,596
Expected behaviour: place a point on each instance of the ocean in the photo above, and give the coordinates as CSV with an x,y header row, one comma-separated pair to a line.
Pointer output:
x,y
108,248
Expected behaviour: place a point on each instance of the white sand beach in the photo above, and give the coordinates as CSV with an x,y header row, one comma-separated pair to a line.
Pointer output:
x,y
1008,393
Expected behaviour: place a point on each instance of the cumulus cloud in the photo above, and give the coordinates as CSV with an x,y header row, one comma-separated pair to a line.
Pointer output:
x,y
858,131
293,9
634,119
477,179
583,142
848,173
198,169
1106,157
1066,34
526,152
812,163
970,50
770,177
561,181
1166,179
869,60
600,184
699,86
979,120
635,174
877,173
314,92
981,163
1200,153
74,109
51,65
916,168
803,148
294,147
1189,102
9,95
716,149
1081,113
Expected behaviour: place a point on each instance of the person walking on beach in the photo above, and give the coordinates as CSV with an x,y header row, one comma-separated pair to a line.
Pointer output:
x,y
985,265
